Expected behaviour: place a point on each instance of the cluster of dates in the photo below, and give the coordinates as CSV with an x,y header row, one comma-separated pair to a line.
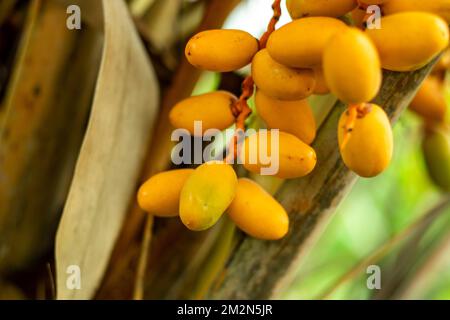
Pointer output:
x,y
316,53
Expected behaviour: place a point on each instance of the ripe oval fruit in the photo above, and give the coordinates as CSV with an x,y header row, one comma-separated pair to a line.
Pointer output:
x,y
436,150
409,40
321,84
310,34
206,195
429,101
295,117
369,149
286,158
160,195
221,50
257,213
279,81
328,8
213,109
439,7
352,67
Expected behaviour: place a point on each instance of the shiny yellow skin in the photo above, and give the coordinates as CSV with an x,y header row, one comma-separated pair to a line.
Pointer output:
x,y
281,82
160,195
296,158
257,213
351,66
295,117
436,150
213,109
221,50
370,146
328,8
206,195
429,101
408,41
321,87
300,43
439,7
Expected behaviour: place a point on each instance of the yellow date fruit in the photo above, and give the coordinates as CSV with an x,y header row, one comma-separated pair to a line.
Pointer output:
x,y
279,81
206,195
295,117
300,44
328,8
369,149
439,7
408,41
212,109
352,67
429,101
221,50
285,156
257,213
321,87
436,150
160,195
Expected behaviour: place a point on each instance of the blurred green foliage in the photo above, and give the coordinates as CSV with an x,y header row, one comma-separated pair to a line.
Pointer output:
x,y
376,210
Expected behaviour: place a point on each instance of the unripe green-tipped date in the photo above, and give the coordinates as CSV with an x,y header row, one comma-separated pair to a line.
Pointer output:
x,y
206,195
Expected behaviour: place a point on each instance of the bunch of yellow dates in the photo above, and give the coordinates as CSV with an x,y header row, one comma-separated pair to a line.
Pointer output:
x,y
430,104
316,53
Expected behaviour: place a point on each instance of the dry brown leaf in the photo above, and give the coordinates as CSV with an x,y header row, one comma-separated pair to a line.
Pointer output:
x,y
110,161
